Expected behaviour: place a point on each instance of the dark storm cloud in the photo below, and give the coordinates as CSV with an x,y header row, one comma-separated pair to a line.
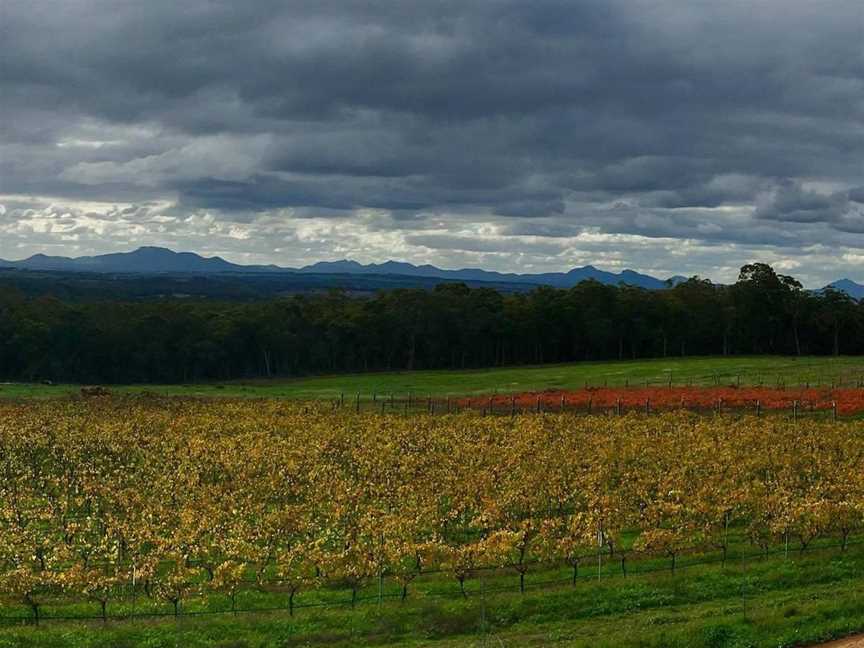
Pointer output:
x,y
682,119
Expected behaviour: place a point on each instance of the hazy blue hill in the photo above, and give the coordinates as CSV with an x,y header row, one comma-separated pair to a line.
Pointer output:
x,y
854,290
143,260
556,279
157,260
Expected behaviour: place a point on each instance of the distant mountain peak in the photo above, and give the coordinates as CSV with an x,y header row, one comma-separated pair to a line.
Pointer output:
x,y
851,288
151,259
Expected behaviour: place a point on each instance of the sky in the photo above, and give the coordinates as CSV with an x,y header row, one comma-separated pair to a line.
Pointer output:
x,y
667,136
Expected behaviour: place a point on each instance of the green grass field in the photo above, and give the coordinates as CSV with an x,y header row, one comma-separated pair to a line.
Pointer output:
x,y
812,369
778,601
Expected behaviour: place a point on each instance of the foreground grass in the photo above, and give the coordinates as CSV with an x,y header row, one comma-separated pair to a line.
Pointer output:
x,y
772,602
749,369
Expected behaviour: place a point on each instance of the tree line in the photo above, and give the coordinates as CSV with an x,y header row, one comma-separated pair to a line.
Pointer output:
x,y
451,326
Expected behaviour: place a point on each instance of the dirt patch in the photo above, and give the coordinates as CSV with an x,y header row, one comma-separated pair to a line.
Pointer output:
x,y
849,642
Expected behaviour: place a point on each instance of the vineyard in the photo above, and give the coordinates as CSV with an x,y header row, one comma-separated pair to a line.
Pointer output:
x,y
795,401
156,506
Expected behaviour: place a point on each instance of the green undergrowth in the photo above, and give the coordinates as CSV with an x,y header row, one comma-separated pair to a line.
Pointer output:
x,y
746,370
771,601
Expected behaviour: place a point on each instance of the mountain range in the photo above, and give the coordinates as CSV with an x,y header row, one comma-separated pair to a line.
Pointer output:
x,y
156,260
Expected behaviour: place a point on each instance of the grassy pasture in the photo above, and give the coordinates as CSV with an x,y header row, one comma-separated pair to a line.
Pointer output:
x,y
707,370
776,601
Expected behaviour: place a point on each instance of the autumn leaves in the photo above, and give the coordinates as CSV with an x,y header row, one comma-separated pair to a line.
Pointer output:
x,y
174,498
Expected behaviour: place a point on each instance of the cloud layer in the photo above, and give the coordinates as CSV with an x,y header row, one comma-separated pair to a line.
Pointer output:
x,y
667,136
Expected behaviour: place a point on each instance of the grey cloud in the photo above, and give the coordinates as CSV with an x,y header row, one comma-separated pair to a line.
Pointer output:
x,y
790,202
474,244
538,117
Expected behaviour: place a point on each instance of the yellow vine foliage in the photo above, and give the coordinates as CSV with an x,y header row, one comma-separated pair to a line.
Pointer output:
x,y
185,496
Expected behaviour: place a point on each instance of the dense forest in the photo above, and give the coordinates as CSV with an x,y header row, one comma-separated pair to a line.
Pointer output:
x,y
451,326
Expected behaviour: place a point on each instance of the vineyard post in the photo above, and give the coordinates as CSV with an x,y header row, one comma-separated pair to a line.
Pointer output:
x,y
374,397
834,411
599,550
134,596
512,406
618,406
383,403
626,383
589,403
539,406
647,405
380,586
483,605
448,404
342,399
429,405
391,400
670,380
795,410
738,380
758,408
491,411
562,402
357,403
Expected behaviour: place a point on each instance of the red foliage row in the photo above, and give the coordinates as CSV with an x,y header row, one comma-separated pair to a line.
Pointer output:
x,y
849,400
